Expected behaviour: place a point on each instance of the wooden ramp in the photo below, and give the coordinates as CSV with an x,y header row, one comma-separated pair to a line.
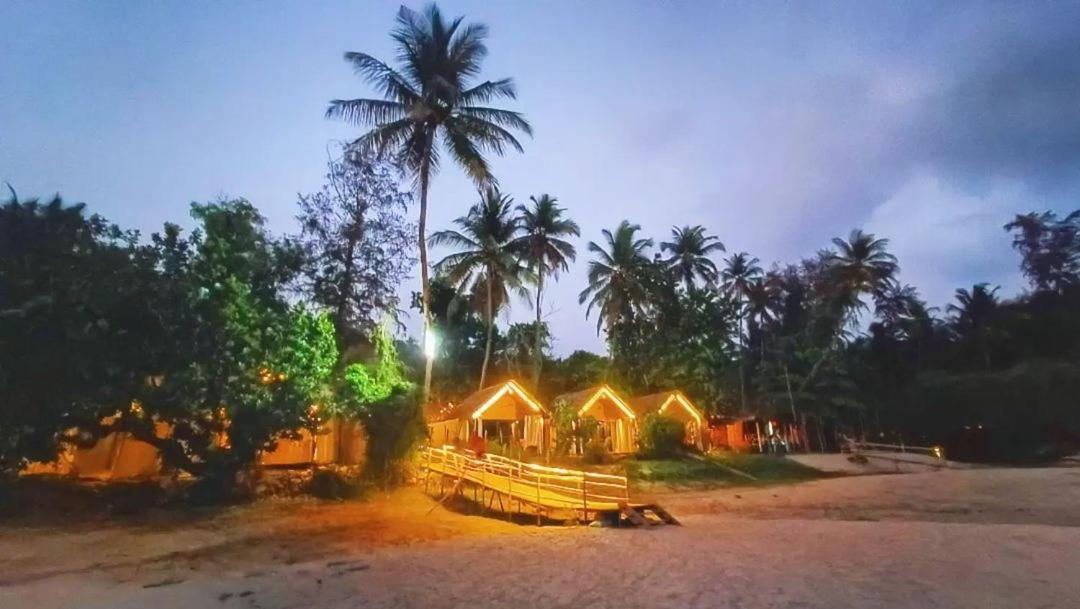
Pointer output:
x,y
538,488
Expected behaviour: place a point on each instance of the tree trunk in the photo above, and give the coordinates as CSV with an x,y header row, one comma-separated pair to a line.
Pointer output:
x,y
791,400
742,367
342,312
490,328
538,356
425,174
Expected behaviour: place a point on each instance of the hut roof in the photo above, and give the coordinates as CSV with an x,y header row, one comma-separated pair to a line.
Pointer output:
x,y
582,401
661,402
476,404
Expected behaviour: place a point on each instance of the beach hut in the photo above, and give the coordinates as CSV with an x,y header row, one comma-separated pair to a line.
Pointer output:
x,y
503,413
616,419
676,405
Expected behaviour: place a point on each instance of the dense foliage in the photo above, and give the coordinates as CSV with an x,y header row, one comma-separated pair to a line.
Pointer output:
x,y
187,342
660,437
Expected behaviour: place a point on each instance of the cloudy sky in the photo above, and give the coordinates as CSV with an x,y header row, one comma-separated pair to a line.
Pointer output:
x,y
775,125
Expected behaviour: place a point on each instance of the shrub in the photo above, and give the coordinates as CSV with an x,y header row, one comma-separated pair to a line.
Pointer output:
x,y
1027,413
571,431
594,452
660,437
394,427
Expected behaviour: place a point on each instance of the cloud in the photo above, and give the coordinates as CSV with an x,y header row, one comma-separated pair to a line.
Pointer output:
x,y
946,238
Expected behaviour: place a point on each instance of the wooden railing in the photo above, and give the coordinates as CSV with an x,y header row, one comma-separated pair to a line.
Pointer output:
x,y
855,446
544,485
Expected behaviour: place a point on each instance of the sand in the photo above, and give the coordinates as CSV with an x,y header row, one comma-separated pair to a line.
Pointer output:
x,y
1004,538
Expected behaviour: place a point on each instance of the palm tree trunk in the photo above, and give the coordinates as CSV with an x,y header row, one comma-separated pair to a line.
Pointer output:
x,y
538,357
490,327
425,175
742,367
791,401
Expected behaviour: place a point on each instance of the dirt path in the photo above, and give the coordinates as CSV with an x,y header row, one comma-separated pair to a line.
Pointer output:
x,y
986,538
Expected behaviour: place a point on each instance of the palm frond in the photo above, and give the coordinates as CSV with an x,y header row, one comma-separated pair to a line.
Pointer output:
x,y
467,155
366,111
388,81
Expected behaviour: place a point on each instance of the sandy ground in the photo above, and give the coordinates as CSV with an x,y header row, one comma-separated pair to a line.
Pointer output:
x,y
976,538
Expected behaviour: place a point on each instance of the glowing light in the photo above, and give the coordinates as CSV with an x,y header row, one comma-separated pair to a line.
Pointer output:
x,y
508,387
677,396
605,391
431,343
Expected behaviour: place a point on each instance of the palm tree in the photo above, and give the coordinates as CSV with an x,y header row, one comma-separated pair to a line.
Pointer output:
x,y
615,284
740,270
487,264
546,252
520,345
431,99
690,248
761,303
973,314
860,265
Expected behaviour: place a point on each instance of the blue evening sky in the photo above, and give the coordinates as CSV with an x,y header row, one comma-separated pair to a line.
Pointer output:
x,y
777,125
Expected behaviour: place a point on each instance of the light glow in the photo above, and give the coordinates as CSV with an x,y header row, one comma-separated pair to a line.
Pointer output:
x,y
605,391
678,397
508,387
431,343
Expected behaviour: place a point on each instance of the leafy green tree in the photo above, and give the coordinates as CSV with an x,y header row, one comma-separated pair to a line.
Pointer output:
x,y
576,371
517,349
1050,248
546,252
690,248
73,322
226,328
379,395
660,437
487,263
430,98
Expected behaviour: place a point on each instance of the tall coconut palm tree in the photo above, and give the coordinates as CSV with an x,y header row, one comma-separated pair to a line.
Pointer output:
x,y
615,284
972,316
740,270
431,101
487,263
860,265
761,304
546,251
690,247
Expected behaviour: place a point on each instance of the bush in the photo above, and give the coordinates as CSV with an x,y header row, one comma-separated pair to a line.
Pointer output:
x,y
394,427
594,452
1025,414
660,437
330,484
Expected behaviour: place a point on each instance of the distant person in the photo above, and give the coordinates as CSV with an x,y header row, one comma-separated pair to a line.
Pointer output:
x,y
478,445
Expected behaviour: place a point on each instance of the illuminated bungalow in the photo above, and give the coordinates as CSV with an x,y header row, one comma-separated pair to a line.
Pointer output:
x,y
503,413
617,420
676,405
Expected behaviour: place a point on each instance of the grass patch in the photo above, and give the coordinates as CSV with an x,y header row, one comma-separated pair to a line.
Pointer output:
x,y
716,470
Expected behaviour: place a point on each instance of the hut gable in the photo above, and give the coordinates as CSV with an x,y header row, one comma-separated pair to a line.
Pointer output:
x,y
669,403
506,401
600,402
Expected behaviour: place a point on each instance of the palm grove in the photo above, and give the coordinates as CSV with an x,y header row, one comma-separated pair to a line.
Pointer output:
x,y
230,332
